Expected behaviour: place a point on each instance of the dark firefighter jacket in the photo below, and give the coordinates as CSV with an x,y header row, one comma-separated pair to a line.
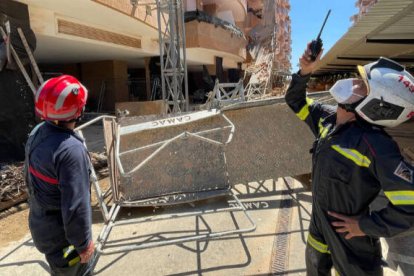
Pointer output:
x,y
58,167
351,164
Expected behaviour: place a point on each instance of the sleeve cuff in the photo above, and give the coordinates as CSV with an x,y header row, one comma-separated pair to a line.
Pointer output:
x,y
300,79
304,76
370,228
84,246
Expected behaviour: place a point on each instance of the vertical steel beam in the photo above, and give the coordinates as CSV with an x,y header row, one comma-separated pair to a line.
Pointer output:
x,y
171,31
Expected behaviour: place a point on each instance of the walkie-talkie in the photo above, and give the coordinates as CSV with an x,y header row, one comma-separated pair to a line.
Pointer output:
x,y
316,45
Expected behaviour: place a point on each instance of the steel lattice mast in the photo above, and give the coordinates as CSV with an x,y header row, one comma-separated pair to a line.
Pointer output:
x,y
171,32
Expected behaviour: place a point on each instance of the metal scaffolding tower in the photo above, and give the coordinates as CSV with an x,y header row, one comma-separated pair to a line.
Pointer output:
x,y
171,32
271,50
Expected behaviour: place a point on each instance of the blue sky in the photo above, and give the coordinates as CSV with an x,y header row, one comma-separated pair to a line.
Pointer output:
x,y
307,17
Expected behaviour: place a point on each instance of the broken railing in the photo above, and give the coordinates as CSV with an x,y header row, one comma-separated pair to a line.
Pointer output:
x,y
225,94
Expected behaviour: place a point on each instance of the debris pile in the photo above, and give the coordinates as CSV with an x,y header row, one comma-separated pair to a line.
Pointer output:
x,y
364,6
100,164
201,16
12,186
269,49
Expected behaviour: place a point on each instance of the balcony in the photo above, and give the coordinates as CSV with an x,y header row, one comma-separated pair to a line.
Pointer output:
x,y
208,37
145,12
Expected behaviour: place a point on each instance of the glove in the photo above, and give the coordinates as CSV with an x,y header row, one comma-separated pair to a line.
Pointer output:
x,y
87,253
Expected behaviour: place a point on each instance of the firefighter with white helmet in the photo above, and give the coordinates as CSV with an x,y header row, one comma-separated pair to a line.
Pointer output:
x,y
57,168
390,93
353,160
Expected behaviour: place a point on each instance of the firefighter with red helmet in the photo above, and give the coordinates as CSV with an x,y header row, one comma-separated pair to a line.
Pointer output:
x,y
353,159
57,168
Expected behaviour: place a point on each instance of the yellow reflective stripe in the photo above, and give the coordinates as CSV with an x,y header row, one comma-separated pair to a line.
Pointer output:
x,y
304,112
74,261
320,125
401,197
322,130
354,155
67,251
321,247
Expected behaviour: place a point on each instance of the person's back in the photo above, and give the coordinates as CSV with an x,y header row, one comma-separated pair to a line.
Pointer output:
x,y
57,170
52,143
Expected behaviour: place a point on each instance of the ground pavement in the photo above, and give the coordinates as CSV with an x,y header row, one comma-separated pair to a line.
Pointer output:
x,y
281,210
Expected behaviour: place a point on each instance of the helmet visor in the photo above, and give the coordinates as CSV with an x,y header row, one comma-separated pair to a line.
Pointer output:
x,y
364,76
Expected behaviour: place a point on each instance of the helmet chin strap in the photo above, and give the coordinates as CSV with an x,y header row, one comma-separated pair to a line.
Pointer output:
x,y
81,115
350,107
78,119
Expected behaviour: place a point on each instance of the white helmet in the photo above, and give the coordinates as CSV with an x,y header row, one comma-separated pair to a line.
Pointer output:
x,y
390,99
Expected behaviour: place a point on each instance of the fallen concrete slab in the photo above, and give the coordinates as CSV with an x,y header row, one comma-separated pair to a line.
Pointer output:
x,y
269,142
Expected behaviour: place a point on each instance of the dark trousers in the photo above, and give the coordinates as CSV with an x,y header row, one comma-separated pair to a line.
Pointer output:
x,y
326,249
46,227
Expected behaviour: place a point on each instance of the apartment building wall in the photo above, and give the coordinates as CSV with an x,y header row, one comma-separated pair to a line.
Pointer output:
x,y
217,39
107,82
144,12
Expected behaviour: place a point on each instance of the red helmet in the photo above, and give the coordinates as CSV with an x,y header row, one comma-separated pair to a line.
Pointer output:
x,y
62,99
